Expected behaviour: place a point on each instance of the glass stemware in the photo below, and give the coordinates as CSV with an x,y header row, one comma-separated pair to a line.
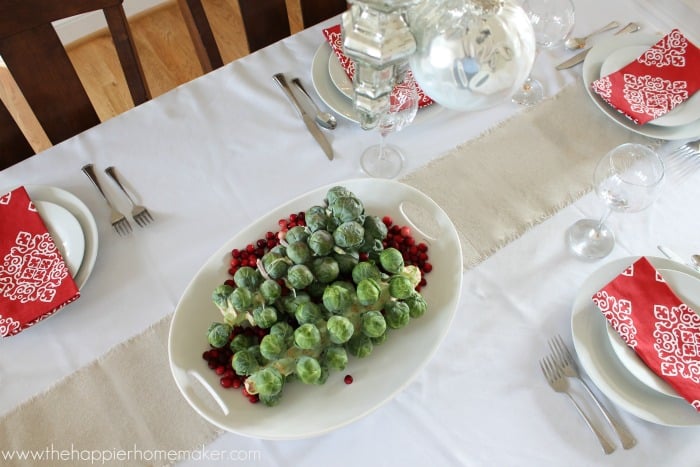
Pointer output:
x,y
552,21
386,160
627,179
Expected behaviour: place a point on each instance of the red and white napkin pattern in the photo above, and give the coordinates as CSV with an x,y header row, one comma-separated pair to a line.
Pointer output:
x,y
334,37
663,77
652,320
34,279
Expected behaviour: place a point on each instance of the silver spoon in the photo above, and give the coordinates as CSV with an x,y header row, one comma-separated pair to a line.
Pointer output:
x,y
696,261
574,43
325,119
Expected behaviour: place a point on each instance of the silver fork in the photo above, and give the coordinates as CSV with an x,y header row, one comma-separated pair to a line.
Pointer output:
x,y
568,366
559,383
684,160
119,222
139,213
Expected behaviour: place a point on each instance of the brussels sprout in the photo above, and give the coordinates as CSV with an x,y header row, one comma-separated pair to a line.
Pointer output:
x,y
307,336
241,299
220,295
346,261
325,269
275,264
285,331
296,234
247,277
396,314
372,246
299,252
413,274
340,329
368,291
360,345
241,342
286,365
308,369
347,209
380,340
336,357
321,242
375,228
337,192
337,298
349,234
308,312
400,287
254,351
218,334
272,347
365,270
316,219
391,260
416,305
291,302
265,317
315,290
299,276
245,363
270,291
267,382
373,324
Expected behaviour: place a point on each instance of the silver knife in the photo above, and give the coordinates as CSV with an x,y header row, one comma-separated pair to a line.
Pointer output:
x,y
579,57
308,120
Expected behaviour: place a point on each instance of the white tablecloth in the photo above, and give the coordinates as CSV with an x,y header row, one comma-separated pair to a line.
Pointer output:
x,y
213,155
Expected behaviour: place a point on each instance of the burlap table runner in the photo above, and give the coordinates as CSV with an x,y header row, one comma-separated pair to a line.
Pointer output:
x,y
493,188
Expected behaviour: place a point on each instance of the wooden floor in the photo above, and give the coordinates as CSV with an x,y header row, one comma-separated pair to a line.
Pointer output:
x,y
166,51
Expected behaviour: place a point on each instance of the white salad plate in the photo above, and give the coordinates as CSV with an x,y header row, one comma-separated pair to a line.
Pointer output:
x,y
683,114
592,67
687,288
309,410
338,100
84,217
606,370
66,232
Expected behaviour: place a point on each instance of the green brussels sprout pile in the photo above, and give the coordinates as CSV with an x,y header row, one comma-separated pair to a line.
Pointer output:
x,y
328,290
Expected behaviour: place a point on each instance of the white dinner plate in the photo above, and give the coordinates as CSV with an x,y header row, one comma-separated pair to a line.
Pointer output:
x,y
81,212
590,338
687,288
591,71
65,231
682,114
307,411
339,102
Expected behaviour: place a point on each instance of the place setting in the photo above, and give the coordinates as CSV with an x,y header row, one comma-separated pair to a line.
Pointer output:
x,y
647,83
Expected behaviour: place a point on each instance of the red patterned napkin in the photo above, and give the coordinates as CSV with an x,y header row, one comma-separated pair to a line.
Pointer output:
x,y
34,279
661,78
653,321
334,37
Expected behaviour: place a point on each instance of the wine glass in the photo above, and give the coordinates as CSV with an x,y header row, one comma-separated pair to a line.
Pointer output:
x,y
552,21
386,160
627,179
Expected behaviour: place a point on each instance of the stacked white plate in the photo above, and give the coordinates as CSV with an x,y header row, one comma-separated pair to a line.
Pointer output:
x,y
614,367
72,227
614,53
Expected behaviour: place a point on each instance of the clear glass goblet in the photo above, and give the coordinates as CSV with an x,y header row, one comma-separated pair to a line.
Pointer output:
x,y
627,179
386,160
552,21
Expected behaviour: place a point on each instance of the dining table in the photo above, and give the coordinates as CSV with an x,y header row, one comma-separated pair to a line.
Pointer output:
x,y
95,383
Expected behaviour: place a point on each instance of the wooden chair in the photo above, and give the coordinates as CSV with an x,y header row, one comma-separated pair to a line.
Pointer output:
x,y
40,66
265,22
